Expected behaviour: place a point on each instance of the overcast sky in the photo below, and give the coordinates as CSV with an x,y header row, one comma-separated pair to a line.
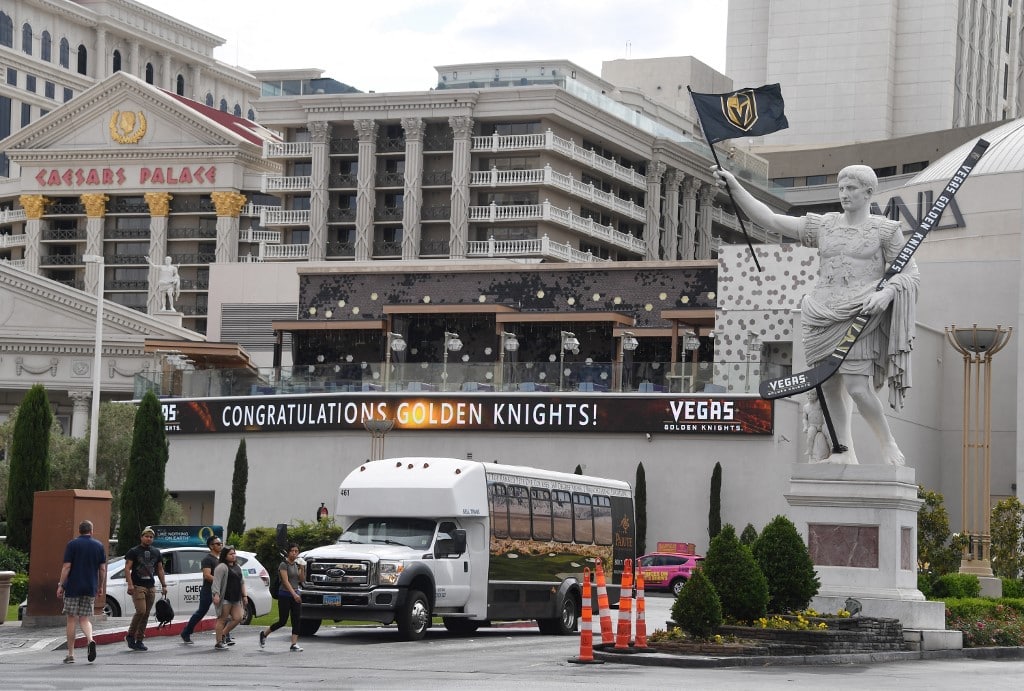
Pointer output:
x,y
395,45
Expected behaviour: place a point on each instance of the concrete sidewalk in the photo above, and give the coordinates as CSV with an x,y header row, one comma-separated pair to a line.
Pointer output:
x,y
17,638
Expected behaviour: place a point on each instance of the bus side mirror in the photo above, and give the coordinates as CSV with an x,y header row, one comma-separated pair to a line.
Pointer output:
x,y
454,543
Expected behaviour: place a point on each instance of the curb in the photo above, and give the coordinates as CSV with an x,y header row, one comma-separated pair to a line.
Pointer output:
x,y
117,635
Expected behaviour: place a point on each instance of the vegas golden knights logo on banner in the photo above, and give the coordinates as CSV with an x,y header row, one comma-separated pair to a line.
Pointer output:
x,y
127,127
740,109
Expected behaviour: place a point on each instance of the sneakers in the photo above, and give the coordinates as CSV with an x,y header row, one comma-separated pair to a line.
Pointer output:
x,y
263,639
130,641
139,645
70,659
187,640
295,648
221,646
228,639
92,651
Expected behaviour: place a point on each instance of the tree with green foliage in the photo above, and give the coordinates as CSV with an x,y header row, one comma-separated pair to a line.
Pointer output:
x,y
142,499
936,555
29,470
263,541
1007,533
239,482
783,558
697,609
640,508
749,535
715,505
736,577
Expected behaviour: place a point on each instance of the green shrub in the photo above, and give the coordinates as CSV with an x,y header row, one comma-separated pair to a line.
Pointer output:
x,y
263,541
736,577
958,585
697,609
12,559
19,588
749,535
924,584
1013,587
783,558
987,622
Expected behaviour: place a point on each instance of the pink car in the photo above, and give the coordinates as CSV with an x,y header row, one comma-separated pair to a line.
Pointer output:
x,y
667,571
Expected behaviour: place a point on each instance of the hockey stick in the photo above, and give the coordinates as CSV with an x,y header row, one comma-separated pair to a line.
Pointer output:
x,y
783,387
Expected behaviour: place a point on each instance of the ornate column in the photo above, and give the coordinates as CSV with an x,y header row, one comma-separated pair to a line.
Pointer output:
x,y
34,206
229,206
101,65
705,195
652,231
462,126
135,68
320,136
365,188
688,218
166,68
192,89
80,399
95,210
671,240
413,199
159,208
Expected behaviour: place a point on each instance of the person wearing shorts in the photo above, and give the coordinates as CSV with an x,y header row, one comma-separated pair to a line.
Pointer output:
x,y
83,576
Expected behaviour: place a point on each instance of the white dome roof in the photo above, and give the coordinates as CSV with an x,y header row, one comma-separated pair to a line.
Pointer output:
x,y
1005,155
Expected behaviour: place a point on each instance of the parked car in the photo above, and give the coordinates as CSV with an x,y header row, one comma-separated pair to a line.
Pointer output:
x,y
184,573
667,571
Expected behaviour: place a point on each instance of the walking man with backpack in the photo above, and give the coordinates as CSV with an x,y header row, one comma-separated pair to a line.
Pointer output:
x,y
210,561
143,564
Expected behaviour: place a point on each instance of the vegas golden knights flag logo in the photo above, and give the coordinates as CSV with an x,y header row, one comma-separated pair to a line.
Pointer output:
x,y
750,112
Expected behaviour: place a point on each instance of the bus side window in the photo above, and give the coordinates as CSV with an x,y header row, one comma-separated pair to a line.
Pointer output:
x,y
583,518
499,509
518,512
603,528
561,512
540,511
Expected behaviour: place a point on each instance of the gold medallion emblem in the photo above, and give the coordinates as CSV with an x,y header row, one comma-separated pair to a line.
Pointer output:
x,y
127,127
740,109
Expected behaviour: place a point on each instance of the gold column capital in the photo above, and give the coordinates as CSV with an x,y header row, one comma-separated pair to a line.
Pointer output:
x,y
228,203
95,204
159,203
34,205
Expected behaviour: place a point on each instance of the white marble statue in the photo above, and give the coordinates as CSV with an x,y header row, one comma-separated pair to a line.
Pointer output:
x,y
168,283
854,248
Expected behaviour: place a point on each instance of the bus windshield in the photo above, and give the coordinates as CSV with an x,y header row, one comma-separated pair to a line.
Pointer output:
x,y
409,532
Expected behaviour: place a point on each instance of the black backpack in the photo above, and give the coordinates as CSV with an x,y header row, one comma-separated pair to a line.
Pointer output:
x,y
164,612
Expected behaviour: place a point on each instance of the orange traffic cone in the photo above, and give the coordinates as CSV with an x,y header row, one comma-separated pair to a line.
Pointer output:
x,y
604,609
641,608
625,610
586,656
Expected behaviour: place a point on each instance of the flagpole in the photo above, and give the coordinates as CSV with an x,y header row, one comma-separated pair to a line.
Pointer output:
x,y
718,163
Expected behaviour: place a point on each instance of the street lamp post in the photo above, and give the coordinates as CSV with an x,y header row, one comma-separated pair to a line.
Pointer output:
x,y
627,344
569,342
97,357
977,346
510,344
453,344
395,343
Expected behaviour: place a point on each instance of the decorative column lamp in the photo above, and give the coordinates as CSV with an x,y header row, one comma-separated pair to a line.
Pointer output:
x,y
378,427
397,344
977,346
509,344
453,344
571,343
627,345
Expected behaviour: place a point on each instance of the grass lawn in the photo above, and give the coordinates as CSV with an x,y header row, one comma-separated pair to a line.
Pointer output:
x,y
12,612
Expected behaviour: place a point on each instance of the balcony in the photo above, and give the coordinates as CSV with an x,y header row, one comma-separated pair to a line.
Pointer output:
x,y
283,252
287,149
543,248
549,141
7,241
19,263
271,237
341,215
285,183
719,215
390,179
12,216
562,217
63,234
387,213
284,217
343,181
345,145
549,177
251,209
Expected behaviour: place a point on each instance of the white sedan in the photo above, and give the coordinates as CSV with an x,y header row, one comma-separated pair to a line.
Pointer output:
x,y
184,572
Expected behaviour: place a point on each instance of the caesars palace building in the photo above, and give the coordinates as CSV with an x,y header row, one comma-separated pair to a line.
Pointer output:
x,y
525,265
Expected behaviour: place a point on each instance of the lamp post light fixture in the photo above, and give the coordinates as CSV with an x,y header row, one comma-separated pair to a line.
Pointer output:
x,y
509,344
453,344
378,427
395,343
97,357
977,346
628,343
569,342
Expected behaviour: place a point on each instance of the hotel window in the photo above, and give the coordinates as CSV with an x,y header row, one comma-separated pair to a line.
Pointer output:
x,y
209,99
6,30
50,89
115,64
26,114
237,111
46,47
885,172
915,167
30,83
12,76
816,179
68,94
83,59
149,73
179,85
65,53
224,105
26,38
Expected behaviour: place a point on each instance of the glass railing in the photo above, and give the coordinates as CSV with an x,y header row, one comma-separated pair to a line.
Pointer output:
x,y
459,376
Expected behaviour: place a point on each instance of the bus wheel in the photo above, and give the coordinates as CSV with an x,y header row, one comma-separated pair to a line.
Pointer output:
x,y
414,616
308,627
564,625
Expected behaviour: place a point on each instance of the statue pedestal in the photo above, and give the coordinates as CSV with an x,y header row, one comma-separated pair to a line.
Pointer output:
x,y
169,317
860,522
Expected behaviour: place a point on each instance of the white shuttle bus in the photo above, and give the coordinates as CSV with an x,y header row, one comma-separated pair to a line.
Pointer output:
x,y
466,541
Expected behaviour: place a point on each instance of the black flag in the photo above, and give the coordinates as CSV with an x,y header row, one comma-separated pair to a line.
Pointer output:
x,y
741,113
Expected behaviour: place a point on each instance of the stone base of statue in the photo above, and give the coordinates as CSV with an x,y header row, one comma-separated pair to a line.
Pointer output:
x,y
860,522
169,317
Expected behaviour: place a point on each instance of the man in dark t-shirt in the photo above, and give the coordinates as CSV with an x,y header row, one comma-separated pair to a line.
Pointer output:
x,y
82,577
209,563
142,566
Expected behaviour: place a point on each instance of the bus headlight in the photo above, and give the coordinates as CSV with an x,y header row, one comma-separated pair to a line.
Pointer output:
x,y
390,572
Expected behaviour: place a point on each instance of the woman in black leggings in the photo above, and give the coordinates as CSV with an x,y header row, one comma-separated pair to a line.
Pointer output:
x,y
289,601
